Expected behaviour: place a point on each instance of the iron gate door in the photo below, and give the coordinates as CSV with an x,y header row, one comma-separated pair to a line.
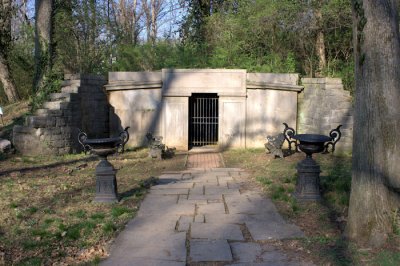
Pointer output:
x,y
203,119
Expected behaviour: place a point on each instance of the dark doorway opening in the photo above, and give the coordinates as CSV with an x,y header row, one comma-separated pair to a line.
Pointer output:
x,y
203,119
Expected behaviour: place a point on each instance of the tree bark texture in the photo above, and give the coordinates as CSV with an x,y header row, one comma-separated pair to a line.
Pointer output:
x,y
5,42
320,42
43,39
154,14
375,187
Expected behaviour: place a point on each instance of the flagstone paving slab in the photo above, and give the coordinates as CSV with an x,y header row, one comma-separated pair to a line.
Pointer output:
x,y
142,262
210,250
211,208
267,230
246,252
216,231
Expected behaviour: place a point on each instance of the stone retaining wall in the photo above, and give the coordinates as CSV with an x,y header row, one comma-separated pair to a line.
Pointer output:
x,y
52,130
322,106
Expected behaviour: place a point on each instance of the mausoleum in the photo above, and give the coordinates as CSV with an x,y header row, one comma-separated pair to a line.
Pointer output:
x,y
196,107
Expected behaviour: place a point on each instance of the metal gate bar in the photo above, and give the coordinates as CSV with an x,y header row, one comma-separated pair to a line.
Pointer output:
x,y
203,120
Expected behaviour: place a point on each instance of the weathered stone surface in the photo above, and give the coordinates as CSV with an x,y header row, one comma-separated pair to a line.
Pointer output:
x,y
174,185
220,190
53,130
216,231
268,230
140,262
210,250
184,223
323,106
243,204
211,208
170,191
162,247
205,197
157,204
272,78
199,218
246,252
226,218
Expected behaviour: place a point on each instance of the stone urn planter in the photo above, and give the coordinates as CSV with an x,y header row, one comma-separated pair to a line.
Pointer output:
x,y
106,182
307,186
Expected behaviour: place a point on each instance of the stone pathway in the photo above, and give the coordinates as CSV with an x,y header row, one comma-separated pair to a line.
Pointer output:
x,y
202,216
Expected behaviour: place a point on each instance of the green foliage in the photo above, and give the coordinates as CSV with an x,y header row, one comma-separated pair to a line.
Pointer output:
x,y
336,182
162,55
20,58
51,84
274,36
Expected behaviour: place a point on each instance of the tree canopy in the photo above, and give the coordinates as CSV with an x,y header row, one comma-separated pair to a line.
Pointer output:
x,y
309,37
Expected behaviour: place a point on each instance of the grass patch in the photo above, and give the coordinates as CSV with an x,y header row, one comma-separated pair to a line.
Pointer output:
x,y
119,210
47,205
387,258
31,262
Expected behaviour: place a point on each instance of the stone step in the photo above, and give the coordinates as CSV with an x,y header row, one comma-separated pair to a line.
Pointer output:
x,y
42,112
64,96
40,121
73,82
54,105
47,112
70,89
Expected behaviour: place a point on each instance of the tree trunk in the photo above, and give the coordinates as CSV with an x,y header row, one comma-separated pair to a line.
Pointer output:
x,y
375,187
43,40
7,81
5,42
134,23
147,13
154,14
320,49
320,41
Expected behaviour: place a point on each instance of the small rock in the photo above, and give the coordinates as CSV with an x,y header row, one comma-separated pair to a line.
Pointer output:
x,y
341,219
5,146
81,166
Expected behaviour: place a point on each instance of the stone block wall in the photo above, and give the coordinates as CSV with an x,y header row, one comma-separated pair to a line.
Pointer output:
x,y
53,129
271,101
135,100
322,106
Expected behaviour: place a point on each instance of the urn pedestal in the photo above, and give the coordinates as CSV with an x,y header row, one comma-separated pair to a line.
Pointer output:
x,y
307,185
106,182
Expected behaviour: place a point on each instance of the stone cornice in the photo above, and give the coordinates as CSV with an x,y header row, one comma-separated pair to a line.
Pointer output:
x,y
132,85
273,86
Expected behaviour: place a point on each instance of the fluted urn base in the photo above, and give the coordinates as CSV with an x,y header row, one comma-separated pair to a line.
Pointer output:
x,y
106,182
307,186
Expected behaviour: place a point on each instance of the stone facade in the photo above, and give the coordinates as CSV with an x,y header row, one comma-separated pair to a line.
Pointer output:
x,y
251,106
324,105
53,130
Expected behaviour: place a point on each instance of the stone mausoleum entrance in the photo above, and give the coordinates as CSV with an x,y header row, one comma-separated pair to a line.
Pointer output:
x,y
203,119
202,107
